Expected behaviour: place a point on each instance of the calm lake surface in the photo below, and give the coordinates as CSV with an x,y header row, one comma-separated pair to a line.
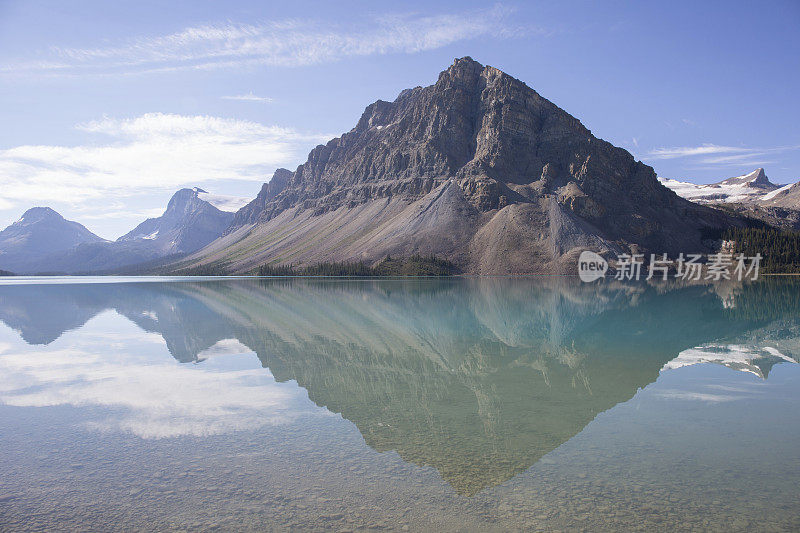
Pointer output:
x,y
444,405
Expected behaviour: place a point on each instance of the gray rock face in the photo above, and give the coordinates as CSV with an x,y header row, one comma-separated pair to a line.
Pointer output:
x,y
41,231
533,184
785,218
188,224
269,191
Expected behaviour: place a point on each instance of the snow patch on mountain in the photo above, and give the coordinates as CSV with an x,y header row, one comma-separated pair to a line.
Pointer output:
x,y
712,193
776,192
751,187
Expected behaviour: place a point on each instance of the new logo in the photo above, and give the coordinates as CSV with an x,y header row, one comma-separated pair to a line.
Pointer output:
x,y
591,266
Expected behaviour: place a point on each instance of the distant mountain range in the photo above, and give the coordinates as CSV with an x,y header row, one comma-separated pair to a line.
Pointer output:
x,y
753,195
478,169
42,241
754,187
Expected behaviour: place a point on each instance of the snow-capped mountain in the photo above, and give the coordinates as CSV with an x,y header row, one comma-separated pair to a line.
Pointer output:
x,y
42,241
41,231
752,187
193,218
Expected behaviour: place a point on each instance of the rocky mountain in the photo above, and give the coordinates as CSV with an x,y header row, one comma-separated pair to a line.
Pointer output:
x,y
190,222
40,232
193,219
752,187
787,196
752,195
477,168
269,191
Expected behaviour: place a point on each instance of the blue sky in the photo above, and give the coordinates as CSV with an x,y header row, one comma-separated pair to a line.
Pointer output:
x,y
109,107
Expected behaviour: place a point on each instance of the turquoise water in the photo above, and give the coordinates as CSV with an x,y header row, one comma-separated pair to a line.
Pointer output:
x,y
449,405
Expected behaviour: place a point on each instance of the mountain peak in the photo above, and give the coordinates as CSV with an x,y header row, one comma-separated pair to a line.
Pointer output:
x,y
747,188
465,63
759,171
756,179
251,212
193,218
41,231
183,200
35,214
466,60
194,199
464,71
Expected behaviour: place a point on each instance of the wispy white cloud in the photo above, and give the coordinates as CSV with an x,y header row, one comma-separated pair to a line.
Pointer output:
x,y
720,155
736,159
688,151
249,97
287,43
155,151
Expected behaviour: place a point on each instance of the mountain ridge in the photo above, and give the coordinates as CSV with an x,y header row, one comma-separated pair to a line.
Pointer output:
x,y
189,222
753,187
39,232
752,195
478,168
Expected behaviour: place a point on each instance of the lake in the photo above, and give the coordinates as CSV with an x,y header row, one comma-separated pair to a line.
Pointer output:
x,y
409,405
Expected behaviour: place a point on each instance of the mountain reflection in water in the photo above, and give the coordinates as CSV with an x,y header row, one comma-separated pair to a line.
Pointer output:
x,y
478,378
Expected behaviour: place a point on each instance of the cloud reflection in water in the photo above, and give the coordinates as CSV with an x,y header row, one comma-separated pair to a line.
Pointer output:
x,y
114,365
